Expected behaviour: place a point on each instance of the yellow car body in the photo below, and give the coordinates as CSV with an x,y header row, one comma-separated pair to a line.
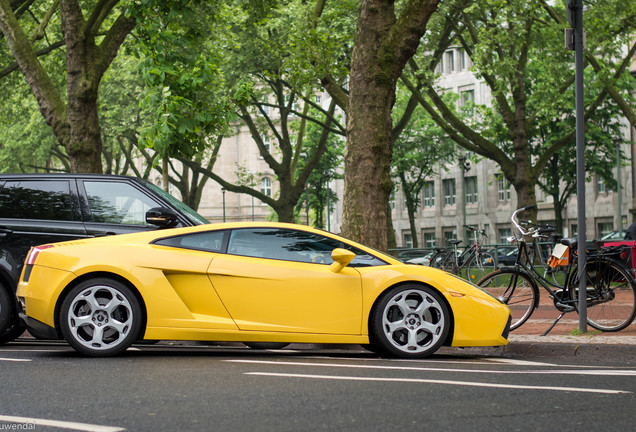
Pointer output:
x,y
229,293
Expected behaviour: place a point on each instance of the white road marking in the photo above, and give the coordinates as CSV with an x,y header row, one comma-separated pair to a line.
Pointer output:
x,y
430,381
605,372
60,424
15,360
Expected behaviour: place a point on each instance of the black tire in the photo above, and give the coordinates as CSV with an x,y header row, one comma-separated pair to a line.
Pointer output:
x,y
480,265
445,260
7,309
611,295
515,289
266,345
101,317
13,331
410,321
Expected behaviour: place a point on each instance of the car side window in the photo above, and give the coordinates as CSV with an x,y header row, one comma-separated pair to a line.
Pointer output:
x,y
37,199
117,202
291,245
209,241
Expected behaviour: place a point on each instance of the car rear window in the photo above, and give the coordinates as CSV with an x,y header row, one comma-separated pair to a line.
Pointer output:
x,y
35,199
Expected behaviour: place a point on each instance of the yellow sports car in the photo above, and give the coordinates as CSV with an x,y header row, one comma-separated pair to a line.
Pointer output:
x,y
253,283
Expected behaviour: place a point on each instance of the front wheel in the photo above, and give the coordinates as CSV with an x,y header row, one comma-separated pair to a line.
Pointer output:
x,y
101,317
480,265
410,321
515,289
611,295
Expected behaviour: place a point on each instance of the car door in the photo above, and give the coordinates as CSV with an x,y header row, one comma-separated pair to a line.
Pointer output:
x,y
35,211
279,280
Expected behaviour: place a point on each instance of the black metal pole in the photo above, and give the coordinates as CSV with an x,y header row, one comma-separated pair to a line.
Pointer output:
x,y
576,7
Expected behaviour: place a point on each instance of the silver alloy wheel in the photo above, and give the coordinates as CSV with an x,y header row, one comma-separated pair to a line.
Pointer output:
x,y
100,317
413,321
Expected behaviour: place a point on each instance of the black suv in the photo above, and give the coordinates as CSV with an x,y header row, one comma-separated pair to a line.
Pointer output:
x,y
46,208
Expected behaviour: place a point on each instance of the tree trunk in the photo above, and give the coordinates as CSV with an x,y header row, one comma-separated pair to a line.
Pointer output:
x,y
382,46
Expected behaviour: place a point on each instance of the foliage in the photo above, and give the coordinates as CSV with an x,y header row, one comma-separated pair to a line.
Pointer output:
x,y
178,62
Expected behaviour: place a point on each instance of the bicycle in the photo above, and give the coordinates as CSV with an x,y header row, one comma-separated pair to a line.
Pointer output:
x,y
610,287
473,262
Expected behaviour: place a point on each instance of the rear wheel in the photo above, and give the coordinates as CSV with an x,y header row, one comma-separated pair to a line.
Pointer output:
x,y
101,317
611,295
480,265
445,260
14,330
410,321
515,289
7,309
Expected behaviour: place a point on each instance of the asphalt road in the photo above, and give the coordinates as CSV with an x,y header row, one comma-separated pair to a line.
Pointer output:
x,y
202,388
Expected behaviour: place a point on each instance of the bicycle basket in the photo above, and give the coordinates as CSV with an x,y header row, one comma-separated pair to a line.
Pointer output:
x,y
560,256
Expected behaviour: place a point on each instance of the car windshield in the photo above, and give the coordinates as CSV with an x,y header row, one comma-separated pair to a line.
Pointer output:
x,y
194,216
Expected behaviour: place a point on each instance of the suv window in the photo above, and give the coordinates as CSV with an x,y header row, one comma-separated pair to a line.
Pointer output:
x,y
33,199
117,203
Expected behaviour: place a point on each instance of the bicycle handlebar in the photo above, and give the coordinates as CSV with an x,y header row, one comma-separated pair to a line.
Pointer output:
x,y
534,230
472,228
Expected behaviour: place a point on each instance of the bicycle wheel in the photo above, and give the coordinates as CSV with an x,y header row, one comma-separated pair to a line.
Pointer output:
x,y
611,295
515,289
480,265
445,260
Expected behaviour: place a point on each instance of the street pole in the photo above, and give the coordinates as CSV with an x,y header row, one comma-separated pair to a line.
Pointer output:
x,y
574,10
619,189
304,156
223,191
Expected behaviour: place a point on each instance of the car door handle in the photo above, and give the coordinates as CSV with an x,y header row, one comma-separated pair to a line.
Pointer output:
x,y
221,272
5,232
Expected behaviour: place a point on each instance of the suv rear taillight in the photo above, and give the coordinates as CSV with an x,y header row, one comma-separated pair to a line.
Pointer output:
x,y
30,260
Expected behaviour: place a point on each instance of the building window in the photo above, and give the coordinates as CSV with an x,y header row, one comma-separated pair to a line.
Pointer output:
x,y
463,60
428,239
600,185
467,97
449,61
503,188
471,190
450,234
266,186
503,234
449,192
408,240
604,228
429,194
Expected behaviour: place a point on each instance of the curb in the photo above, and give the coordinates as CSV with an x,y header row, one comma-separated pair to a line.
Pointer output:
x,y
620,349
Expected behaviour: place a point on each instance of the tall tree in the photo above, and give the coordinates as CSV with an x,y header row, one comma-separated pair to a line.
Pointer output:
x,y
91,40
516,47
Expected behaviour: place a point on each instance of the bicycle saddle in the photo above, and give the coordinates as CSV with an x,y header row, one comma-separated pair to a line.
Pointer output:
x,y
454,242
570,242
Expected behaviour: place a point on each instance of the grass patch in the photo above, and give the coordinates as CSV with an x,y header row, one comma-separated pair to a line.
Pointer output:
x,y
577,332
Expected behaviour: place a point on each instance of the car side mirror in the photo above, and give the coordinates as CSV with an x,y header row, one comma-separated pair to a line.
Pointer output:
x,y
162,217
341,258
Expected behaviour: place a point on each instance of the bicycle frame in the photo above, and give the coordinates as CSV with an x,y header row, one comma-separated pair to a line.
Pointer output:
x,y
530,257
